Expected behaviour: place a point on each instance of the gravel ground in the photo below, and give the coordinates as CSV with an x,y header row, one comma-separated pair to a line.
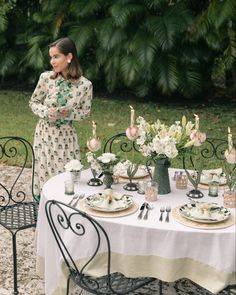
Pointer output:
x,y
28,281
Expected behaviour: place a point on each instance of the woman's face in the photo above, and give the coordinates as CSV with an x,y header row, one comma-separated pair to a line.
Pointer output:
x,y
59,61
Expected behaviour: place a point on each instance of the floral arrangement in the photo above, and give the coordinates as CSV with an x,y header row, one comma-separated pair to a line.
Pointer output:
x,y
74,166
158,140
104,163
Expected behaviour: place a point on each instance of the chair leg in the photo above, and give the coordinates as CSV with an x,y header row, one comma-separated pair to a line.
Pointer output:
x,y
68,285
160,287
14,264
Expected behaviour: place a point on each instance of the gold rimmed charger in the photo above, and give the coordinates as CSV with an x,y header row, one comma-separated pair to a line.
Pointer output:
x,y
221,224
84,207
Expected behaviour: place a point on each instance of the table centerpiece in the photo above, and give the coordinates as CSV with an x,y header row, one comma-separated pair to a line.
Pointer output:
x,y
74,167
161,143
104,164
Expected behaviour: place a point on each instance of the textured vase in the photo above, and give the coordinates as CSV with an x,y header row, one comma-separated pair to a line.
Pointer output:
x,y
108,179
75,176
161,176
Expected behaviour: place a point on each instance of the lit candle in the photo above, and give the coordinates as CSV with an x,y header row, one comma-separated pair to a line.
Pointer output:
x,y
196,122
131,115
94,129
230,140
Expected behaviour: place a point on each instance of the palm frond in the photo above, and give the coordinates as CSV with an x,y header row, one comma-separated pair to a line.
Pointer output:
x,y
83,34
7,63
229,55
122,11
190,80
144,46
34,56
167,26
167,73
129,69
85,8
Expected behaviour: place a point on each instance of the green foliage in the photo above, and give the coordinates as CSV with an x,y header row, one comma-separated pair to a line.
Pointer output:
x,y
169,47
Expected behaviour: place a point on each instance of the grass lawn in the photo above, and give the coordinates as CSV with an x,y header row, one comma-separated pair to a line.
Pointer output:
x,y
113,116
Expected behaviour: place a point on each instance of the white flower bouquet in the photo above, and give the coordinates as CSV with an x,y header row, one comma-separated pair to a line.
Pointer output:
x,y
157,140
74,166
104,163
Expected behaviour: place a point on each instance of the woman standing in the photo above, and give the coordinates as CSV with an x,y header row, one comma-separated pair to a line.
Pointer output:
x,y
60,97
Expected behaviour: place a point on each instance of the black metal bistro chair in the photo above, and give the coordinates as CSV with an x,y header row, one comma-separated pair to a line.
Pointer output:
x,y
63,219
18,210
211,151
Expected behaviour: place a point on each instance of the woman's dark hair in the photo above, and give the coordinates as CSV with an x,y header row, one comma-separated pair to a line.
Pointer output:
x,y
66,46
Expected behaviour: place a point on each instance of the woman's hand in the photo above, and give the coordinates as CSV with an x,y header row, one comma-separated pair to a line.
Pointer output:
x,y
64,113
52,114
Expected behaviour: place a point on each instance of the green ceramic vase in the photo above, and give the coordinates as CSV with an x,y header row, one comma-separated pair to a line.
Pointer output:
x,y
161,175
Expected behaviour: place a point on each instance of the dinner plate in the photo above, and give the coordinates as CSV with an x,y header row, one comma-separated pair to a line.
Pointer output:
x,y
141,172
204,212
100,202
207,177
213,175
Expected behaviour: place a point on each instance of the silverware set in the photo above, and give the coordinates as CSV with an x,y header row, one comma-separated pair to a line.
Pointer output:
x,y
166,209
149,206
144,206
76,198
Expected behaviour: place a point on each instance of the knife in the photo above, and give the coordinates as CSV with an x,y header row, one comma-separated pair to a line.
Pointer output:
x,y
141,210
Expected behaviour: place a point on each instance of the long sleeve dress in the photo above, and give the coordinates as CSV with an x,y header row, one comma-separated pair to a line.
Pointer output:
x,y
55,141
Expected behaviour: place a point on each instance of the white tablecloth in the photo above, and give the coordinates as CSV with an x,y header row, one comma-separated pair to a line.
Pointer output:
x,y
168,251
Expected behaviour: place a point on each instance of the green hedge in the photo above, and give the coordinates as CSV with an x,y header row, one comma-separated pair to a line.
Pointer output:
x,y
149,47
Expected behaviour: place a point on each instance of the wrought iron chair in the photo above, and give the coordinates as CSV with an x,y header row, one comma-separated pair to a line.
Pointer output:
x,y
18,211
62,218
119,142
212,150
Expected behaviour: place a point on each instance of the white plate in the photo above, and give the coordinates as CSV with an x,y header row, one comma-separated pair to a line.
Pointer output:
x,y
141,172
195,212
99,202
213,175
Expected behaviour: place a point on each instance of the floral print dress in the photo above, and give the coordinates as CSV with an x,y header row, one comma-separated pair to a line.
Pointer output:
x,y
55,141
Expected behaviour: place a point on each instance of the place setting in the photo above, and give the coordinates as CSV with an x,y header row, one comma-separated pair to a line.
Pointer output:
x,y
204,215
109,204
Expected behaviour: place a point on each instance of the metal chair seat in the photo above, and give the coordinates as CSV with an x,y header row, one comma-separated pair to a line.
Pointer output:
x,y
118,282
19,216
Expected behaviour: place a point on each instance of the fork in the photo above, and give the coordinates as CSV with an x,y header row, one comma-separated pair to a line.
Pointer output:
x,y
162,210
80,198
168,209
73,199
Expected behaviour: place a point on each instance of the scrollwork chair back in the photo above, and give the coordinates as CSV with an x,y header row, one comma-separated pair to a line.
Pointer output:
x,y
18,210
87,232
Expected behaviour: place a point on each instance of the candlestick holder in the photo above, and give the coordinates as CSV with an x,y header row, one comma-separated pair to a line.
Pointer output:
x,y
195,194
130,186
94,181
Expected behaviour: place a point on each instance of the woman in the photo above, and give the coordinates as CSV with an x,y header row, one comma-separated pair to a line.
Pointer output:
x,y
61,96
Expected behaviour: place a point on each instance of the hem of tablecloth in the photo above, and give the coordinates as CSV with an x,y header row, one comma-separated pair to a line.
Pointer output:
x,y
168,270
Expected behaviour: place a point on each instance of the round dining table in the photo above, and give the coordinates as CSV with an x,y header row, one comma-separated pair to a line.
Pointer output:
x,y
203,253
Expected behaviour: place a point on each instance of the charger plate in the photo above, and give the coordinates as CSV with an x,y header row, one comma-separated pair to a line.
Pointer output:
x,y
84,207
179,218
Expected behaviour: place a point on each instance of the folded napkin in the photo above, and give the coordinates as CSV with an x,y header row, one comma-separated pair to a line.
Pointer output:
x,y
109,200
213,175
